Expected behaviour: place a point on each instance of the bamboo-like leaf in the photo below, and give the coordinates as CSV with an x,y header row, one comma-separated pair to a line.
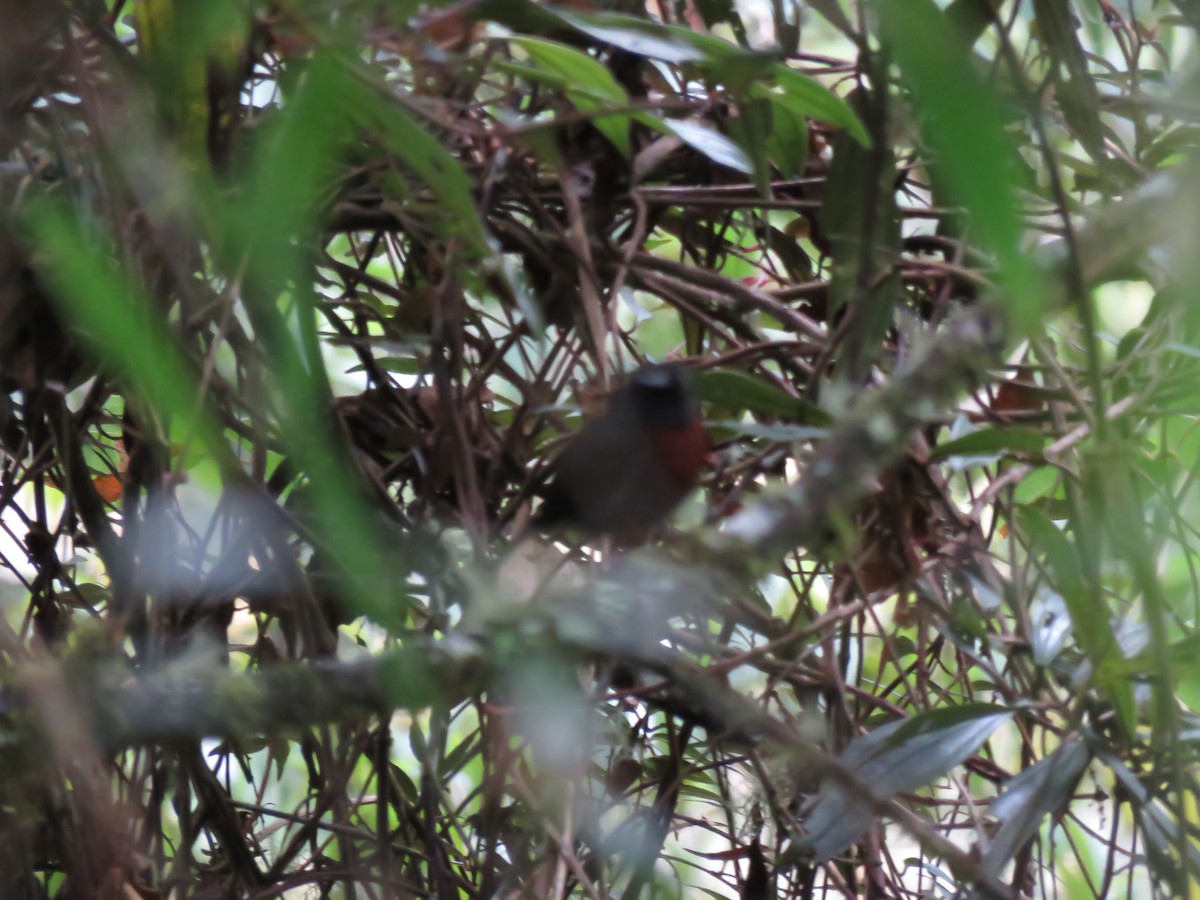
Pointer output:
x,y
1077,94
1092,627
591,85
732,390
809,97
712,144
1003,439
962,123
117,320
1029,797
902,756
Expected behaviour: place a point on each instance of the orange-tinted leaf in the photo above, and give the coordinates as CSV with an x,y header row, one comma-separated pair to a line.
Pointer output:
x,y
109,487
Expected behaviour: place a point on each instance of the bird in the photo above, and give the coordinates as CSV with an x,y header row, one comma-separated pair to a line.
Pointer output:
x,y
626,470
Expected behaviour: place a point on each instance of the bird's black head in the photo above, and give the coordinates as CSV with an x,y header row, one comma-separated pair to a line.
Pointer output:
x,y
662,396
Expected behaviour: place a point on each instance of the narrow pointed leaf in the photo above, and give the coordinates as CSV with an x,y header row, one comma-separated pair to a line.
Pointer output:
x,y
712,144
737,391
962,122
902,756
1077,94
1092,627
807,96
1005,439
591,84
1029,797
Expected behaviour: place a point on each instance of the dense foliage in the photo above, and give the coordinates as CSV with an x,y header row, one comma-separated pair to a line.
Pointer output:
x,y
300,298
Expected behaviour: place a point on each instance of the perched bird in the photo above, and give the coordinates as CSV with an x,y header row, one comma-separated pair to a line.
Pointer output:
x,y
629,468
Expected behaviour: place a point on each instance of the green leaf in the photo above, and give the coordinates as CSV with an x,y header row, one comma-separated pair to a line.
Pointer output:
x,y
962,123
281,749
589,85
576,67
116,318
87,594
429,159
1029,797
1037,484
1163,832
640,37
656,40
893,759
712,144
752,131
969,19
1077,95
787,146
1002,439
715,12
862,223
1092,628
806,96
728,63
404,785
264,238
733,390
1184,656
